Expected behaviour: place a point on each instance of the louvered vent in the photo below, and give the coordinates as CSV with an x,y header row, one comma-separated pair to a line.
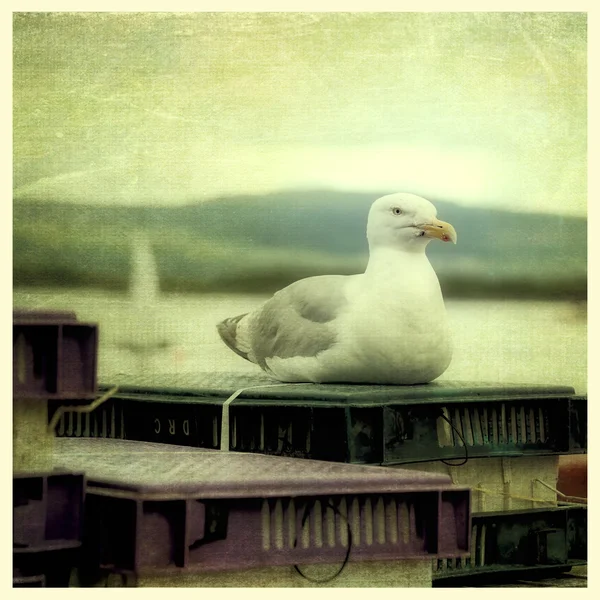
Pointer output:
x,y
106,421
282,437
499,424
477,558
374,520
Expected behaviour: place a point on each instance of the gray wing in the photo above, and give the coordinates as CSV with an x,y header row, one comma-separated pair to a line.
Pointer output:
x,y
296,321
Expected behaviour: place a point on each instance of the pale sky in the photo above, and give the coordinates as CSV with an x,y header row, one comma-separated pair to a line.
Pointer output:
x,y
478,108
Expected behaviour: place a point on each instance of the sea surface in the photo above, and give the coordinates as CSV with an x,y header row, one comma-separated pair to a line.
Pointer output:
x,y
173,339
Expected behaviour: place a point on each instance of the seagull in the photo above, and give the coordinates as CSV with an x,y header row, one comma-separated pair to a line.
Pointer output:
x,y
385,326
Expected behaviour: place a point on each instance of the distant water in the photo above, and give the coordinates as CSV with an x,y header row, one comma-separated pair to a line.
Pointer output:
x,y
496,341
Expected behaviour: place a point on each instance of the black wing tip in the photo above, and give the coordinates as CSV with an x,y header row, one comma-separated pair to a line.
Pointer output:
x,y
227,329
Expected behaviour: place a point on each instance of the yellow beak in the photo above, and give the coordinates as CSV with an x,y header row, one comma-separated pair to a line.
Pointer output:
x,y
440,230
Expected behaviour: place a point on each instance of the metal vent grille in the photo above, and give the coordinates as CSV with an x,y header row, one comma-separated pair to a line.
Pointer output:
x,y
279,437
106,421
477,558
494,425
389,434
373,520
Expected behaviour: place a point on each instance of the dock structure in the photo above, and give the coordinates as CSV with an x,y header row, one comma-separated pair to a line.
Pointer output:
x,y
225,480
200,515
54,364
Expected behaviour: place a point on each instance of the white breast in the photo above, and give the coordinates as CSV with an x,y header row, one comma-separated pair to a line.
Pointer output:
x,y
398,330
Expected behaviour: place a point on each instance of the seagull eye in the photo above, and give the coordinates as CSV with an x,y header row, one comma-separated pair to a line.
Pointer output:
x,y
397,211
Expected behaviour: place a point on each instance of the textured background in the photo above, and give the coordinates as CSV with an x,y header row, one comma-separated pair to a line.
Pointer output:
x,y
248,147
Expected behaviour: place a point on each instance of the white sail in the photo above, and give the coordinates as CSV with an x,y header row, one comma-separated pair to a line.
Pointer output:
x,y
144,286
146,334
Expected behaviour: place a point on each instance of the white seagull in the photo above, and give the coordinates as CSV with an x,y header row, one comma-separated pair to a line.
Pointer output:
x,y
387,325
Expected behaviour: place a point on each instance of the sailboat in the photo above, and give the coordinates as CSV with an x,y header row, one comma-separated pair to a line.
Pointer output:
x,y
146,333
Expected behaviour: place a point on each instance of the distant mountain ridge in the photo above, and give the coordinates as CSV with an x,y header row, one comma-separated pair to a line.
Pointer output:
x,y
281,235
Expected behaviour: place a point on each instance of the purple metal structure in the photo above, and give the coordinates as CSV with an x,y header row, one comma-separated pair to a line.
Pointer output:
x,y
54,356
48,511
54,360
47,527
164,509
157,509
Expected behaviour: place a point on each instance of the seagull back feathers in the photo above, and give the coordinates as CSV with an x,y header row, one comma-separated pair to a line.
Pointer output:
x,y
296,321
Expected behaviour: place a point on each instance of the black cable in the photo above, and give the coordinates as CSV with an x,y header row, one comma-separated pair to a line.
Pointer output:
x,y
466,458
286,446
346,558
400,463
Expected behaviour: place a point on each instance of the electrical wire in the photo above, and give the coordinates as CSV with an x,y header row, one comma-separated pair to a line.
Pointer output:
x,y
309,505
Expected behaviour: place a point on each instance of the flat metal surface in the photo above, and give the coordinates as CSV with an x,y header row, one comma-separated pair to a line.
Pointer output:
x,y
39,317
258,387
576,577
166,471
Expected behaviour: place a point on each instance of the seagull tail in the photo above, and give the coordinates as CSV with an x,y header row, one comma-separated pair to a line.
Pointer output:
x,y
228,331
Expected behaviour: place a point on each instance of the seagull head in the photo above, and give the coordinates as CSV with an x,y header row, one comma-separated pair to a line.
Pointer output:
x,y
407,222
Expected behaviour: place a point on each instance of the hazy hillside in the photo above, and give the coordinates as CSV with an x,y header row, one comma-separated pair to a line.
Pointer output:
x,y
259,243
